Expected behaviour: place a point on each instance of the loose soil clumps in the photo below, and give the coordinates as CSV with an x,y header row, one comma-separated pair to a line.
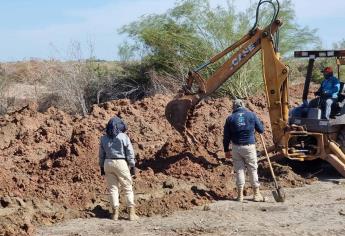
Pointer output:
x,y
49,161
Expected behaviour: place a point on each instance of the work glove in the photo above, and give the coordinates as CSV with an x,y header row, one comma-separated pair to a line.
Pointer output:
x,y
228,155
325,94
132,170
102,171
318,93
259,154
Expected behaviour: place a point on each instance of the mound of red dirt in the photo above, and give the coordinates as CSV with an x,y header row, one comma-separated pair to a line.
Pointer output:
x,y
49,161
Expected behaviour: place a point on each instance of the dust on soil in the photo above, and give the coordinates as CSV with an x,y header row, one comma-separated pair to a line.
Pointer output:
x,y
305,212
50,172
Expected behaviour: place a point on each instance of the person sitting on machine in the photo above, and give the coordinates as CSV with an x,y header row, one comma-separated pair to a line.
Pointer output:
x,y
328,92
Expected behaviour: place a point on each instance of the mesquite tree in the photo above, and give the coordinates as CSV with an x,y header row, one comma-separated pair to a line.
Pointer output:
x,y
193,31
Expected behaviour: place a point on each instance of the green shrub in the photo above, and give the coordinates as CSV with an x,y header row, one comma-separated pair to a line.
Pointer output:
x,y
192,32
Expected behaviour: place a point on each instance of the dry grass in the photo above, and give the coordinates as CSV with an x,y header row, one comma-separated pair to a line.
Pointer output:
x,y
74,86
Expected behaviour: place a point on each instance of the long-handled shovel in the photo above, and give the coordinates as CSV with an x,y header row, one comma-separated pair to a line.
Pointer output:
x,y
279,193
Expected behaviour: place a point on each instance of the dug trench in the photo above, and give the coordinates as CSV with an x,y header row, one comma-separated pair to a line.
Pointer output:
x,y
50,173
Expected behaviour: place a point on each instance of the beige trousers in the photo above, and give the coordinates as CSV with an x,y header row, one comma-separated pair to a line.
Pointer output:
x,y
245,157
117,175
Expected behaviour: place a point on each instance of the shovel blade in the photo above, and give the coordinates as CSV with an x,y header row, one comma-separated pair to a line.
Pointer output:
x,y
279,194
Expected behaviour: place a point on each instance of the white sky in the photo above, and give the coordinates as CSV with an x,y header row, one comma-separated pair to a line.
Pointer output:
x,y
99,23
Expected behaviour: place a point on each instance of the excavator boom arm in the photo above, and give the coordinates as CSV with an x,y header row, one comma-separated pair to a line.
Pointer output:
x,y
248,46
292,140
274,74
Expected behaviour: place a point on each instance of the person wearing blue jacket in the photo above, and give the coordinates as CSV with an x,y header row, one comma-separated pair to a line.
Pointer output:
x,y
328,92
239,130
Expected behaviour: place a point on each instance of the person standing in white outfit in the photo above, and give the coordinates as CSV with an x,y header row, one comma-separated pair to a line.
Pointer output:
x,y
117,163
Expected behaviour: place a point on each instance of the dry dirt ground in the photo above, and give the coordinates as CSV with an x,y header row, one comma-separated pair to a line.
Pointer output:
x,y
49,161
317,209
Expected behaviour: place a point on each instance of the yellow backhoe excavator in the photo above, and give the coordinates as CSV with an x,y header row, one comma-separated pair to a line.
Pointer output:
x,y
303,137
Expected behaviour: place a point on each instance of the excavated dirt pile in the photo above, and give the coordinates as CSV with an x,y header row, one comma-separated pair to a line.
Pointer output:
x,y
49,162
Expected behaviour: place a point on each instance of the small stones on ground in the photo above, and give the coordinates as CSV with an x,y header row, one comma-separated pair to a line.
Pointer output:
x,y
338,182
20,202
206,208
168,184
5,201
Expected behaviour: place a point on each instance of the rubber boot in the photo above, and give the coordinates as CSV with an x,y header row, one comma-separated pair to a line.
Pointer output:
x,y
257,196
115,215
239,194
132,215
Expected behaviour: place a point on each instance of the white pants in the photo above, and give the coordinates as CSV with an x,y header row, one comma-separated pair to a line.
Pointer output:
x,y
117,175
245,157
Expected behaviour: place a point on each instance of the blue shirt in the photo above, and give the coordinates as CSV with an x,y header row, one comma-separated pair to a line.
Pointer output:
x,y
330,87
239,128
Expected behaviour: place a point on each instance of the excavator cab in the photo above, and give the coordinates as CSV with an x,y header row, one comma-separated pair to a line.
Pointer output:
x,y
310,136
309,113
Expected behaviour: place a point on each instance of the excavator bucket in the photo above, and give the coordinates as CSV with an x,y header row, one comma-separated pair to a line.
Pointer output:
x,y
177,111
